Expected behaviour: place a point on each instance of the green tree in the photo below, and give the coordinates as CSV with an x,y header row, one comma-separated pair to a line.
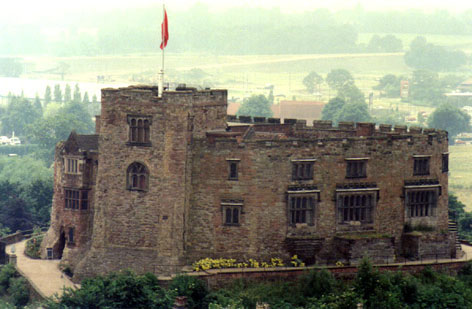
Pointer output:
x,y
57,93
449,118
94,99
18,114
77,98
312,80
67,94
332,109
86,99
270,97
350,93
47,95
357,112
337,78
389,85
426,56
37,105
426,87
256,105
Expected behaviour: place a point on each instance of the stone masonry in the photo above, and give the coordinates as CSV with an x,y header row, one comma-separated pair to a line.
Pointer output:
x,y
173,179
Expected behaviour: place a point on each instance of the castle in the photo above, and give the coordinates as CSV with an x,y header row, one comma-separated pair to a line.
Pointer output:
x,y
171,179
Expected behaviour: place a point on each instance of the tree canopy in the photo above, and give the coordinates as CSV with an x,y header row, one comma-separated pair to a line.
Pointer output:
x,y
338,110
256,105
449,118
312,80
338,78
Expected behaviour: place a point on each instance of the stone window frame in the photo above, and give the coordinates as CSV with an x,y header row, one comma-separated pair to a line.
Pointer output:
x,y
445,162
303,169
76,199
426,196
73,165
231,209
139,130
363,213
298,211
137,177
233,168
356,167
421,165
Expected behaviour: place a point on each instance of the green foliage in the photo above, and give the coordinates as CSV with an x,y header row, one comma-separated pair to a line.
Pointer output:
x,y
77,98
389,85
193,288
451,119
318,284
57,93
427,56
332,109
47,95
386,44
337,78
256,105
19,113
351,94
311,81
7,272
426,86
33,247
338,110
117,290
67,94
19,292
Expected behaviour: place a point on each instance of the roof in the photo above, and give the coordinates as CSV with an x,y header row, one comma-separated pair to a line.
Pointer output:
x,y
77,142
88,142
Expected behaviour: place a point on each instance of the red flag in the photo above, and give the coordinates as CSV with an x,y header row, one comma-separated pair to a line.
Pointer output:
x,y
164,31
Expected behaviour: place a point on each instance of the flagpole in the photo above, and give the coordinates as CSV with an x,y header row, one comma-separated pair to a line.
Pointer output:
x,y
161,77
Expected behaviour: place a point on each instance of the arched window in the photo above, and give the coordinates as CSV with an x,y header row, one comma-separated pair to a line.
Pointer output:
x,y
137,177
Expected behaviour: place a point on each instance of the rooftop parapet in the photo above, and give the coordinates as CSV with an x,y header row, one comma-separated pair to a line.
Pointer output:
x,y
386,128
322,124
346,125
400,129
415,130
365,128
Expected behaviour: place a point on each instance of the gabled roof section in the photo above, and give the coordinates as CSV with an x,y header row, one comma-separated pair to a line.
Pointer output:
x,y
78,142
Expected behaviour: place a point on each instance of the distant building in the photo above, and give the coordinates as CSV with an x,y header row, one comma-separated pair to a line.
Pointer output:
x,y
308,110
166,181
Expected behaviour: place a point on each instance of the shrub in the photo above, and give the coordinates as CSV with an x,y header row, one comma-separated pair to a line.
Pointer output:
x,y
19,292
6,273
194,288
33,247
318,283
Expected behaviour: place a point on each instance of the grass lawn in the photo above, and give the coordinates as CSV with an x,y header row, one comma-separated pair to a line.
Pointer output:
x,y
460,173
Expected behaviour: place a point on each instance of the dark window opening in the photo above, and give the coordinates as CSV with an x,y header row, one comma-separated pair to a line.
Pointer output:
x,y
84,201
302,170
138,176
233,170
421,203
421,166
71,236
356,169
301,209
445,162
355,207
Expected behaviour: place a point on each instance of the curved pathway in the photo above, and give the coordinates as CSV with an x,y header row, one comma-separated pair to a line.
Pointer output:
x,y
43,275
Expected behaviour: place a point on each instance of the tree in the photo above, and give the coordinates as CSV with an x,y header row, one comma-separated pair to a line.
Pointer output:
x,y
18,114
350,93
427,56
256,105
57,93
37,105
94,99
86,99
270,97
338,78
311,81
67,94
389,85
357,112
47,95
332,109
77,98
426,86
449,118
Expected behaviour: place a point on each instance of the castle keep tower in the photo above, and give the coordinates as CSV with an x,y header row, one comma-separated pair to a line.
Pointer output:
x,y
170,180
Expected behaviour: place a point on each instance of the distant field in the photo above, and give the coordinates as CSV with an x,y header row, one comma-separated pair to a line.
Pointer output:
x,y
460,173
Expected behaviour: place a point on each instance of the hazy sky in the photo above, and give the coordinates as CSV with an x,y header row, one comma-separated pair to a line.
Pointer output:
x,y
35,6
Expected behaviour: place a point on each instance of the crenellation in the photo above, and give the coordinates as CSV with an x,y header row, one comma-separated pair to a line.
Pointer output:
x,y
175,179
400,129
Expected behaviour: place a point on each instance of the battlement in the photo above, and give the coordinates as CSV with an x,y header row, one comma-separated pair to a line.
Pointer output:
x,y
359,128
